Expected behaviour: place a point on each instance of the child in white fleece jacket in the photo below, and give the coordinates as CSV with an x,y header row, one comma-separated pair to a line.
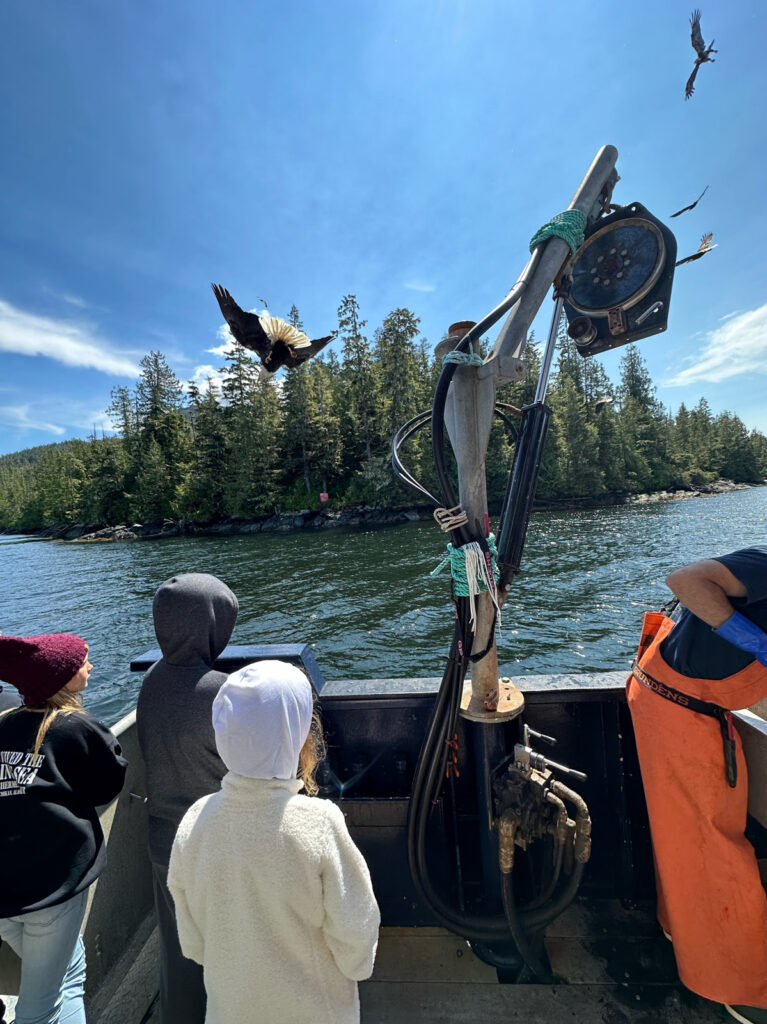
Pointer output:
x,y
272,896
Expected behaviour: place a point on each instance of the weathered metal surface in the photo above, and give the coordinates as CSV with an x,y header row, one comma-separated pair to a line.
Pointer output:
x,y
511,341
508,700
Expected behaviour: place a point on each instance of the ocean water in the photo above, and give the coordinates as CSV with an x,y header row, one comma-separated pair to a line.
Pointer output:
x,y
364,599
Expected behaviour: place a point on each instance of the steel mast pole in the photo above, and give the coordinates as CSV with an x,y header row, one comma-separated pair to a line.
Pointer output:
x,y
469,412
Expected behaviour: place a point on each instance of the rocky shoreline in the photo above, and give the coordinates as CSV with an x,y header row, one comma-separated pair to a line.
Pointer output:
x,y
354,517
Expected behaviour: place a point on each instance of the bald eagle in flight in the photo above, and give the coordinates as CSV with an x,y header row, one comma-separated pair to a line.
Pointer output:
x,y
701,49
276,342
704,247
692,205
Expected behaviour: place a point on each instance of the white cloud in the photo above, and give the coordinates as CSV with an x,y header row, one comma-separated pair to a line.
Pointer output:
x,y
74,300
17,416
96,420
738,346
68,297
205,377
227,347
69,343
420,286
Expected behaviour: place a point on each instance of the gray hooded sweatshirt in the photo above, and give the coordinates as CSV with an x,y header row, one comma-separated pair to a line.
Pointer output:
x,y
194,616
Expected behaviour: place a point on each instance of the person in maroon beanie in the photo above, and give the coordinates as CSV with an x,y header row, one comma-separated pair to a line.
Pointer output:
x,y
57,765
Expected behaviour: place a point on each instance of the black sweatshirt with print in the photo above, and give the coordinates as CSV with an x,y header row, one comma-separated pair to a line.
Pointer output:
x,y
51,843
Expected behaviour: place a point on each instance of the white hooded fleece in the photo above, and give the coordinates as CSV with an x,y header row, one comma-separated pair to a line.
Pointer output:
x,y
272,896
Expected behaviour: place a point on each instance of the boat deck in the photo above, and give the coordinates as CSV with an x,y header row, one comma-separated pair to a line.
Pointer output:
x,y
614,965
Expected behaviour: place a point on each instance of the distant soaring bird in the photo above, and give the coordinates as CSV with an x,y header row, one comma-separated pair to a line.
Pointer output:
x,y
276,342
701,49
704,247
692,205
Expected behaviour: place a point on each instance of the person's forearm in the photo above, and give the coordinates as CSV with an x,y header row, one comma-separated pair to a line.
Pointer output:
x,y
700,595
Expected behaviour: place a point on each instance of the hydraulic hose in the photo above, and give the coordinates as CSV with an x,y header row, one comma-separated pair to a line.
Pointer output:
x,y
536,920
432,761
519,932
548,890
427,783
520,493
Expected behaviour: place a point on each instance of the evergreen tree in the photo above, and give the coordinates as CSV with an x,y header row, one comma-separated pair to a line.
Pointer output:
x,y
329,425
642,430
205,487
163,436
737,459
105,499
401,388
576,439
361,386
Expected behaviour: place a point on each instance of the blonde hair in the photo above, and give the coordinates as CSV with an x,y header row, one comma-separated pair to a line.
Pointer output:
x,y
61,703
312,752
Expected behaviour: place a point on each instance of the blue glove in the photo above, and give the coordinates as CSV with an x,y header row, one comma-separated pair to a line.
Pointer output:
x,y
743,633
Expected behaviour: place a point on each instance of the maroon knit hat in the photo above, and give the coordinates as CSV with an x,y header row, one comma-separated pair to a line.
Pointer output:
x,y
39,666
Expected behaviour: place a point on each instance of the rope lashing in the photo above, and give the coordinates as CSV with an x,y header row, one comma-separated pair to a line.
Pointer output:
x,y
451,518
470,358
471,574
569,225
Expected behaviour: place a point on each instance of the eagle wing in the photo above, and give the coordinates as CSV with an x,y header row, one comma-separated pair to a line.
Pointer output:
x,y
695,34
245,327
690,88
692,205
704,247
300,355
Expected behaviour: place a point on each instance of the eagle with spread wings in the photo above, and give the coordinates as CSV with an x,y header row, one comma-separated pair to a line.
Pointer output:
x,y
276,342
692,205
701,49
704,247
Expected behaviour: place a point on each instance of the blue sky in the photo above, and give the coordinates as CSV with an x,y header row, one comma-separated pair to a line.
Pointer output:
x,y
402,150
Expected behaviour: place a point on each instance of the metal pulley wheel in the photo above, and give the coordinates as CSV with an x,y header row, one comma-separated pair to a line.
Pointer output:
x,y
621,281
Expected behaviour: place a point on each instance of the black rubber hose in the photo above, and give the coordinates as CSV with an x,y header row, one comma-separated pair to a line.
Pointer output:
x,y
413,425
400,437
548,890
518,930
460,535
427,784
535,920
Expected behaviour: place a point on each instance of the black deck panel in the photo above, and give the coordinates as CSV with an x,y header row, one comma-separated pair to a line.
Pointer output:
x,y
235,656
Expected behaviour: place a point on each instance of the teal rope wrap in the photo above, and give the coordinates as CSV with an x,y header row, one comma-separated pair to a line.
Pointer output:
x,y
569,225
456,559
469,358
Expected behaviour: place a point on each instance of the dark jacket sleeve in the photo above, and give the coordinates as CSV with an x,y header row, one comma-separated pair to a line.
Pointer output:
x,y
749,565
94,766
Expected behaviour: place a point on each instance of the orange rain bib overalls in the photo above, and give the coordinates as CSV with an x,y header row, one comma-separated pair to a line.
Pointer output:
x,y
710,896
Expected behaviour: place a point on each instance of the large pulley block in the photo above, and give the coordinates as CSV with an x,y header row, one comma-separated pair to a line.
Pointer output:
x,y
621,280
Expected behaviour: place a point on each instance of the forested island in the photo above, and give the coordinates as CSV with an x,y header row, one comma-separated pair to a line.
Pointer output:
x,y
255,444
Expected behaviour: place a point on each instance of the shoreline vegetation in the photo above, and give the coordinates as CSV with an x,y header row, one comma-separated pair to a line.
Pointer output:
x,y
364,516
230,453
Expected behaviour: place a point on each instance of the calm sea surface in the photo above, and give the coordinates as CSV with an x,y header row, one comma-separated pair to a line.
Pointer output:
x,y
364,599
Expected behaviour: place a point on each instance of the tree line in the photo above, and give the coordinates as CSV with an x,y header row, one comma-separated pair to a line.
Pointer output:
x,y
255,443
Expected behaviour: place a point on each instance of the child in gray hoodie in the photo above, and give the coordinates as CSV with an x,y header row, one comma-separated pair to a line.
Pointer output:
x,y
194,615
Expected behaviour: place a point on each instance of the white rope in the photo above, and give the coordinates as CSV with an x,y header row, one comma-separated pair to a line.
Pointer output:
x,y
476,569
450,518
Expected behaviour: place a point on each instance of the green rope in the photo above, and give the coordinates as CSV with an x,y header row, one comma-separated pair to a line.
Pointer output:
x,y
469,358
456,559
569,225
